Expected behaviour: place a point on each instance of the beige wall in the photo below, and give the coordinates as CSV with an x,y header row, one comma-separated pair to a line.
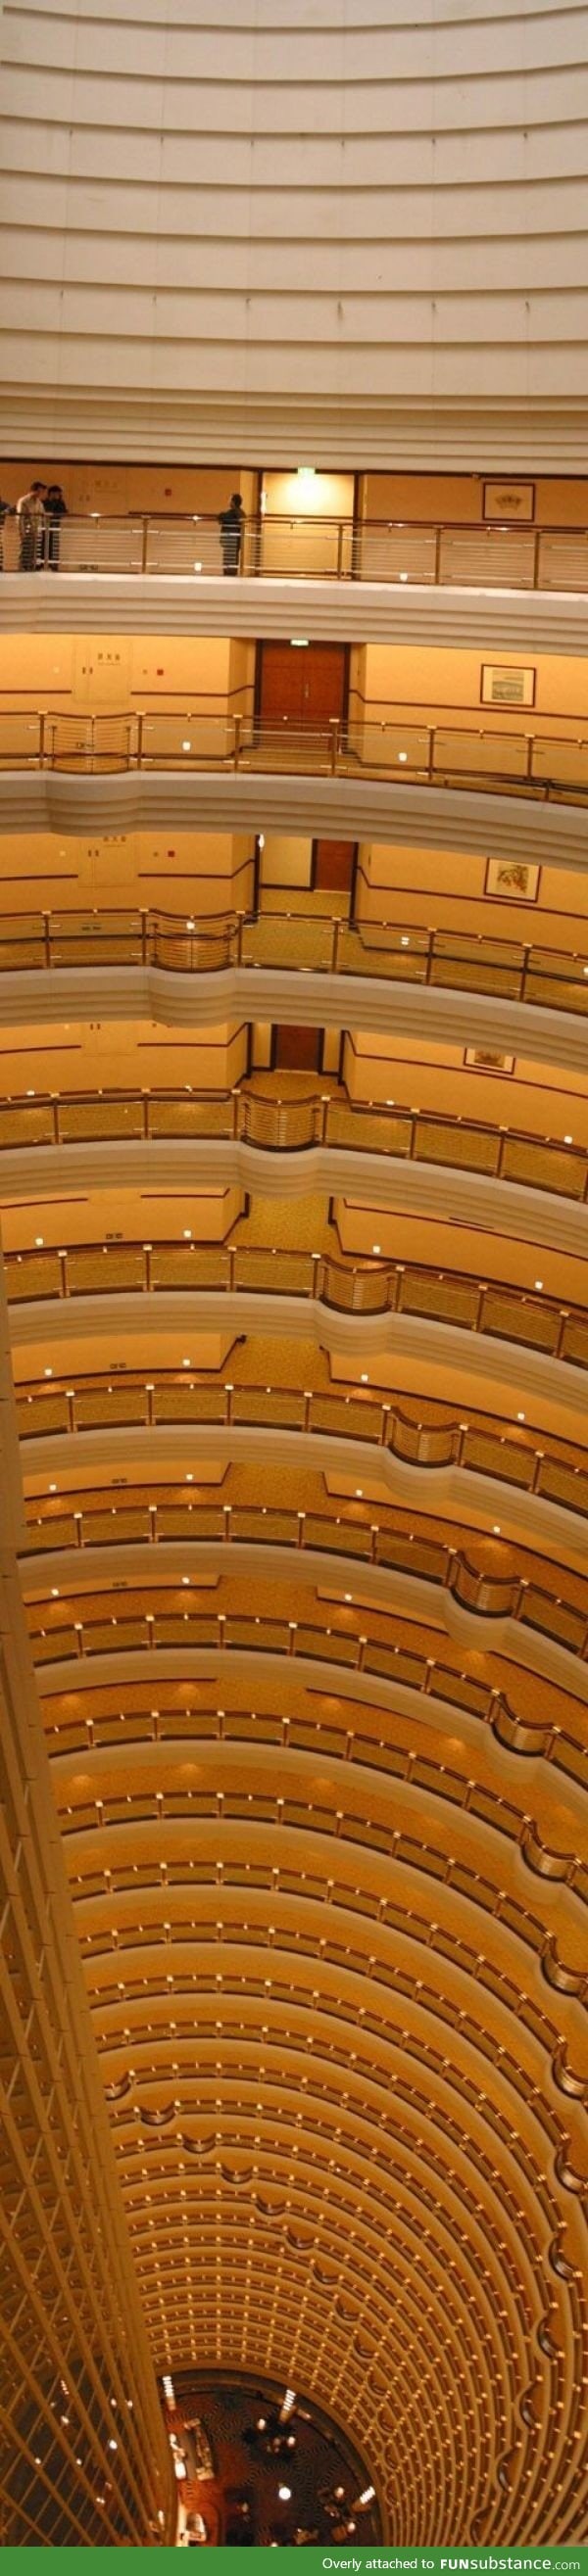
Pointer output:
x,y
383,257
558,501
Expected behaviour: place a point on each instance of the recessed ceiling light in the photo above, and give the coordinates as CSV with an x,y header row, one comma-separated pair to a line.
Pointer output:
x,y
538,1283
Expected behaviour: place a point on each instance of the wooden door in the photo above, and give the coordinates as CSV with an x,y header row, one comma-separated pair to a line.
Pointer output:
x,y
298,1048
332,865
301,684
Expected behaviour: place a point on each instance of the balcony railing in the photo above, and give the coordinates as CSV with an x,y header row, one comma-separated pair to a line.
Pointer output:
x,y
487,1591
432,1675
512,970
287,547
170,1399
294,1126
547,766
449,1297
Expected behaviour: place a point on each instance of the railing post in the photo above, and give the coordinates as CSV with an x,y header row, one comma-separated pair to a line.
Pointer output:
x,y
340,538
334,744
140,724
237,724
144,943
47,937
145,541
336,930
42,723
537,559
437,569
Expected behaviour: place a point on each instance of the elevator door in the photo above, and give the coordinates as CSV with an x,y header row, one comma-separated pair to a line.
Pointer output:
x,y
302,684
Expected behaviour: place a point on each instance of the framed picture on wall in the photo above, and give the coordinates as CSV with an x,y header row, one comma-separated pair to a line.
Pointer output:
x,y
507,684
512,881
509,501
488,1060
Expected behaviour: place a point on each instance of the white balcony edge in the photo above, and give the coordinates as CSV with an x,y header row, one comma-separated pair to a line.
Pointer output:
x,y
52,1324
454,1490
96,1569
45,997
366,809
435,1191
118,603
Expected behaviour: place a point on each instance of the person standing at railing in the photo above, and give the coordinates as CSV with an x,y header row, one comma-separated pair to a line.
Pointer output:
x,y
55,511
231,523
30,512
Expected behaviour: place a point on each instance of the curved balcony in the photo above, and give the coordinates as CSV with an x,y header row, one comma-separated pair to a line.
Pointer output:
x,y
47,1289
511,826
348,1742
493,1590
316,1121
160,1615
510,995
360,1425
377,951
431,554
548,768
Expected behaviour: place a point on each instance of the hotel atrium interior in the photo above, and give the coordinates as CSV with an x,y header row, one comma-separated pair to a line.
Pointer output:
x,y
293,1191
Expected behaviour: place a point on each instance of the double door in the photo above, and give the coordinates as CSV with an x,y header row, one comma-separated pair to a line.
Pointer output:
x,y
301,685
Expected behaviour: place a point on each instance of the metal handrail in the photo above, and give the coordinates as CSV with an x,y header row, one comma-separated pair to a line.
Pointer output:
x,y
526,1317
485,1592
369,946
549,767
165,1401
298,545
272,1125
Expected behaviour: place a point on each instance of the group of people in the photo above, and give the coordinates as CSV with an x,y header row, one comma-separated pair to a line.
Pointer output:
x,y
42,508
39,514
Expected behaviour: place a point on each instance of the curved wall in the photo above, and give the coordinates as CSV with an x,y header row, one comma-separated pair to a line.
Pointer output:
x,y
218,235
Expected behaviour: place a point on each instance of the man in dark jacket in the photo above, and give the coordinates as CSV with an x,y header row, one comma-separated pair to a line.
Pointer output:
x,y
231,527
